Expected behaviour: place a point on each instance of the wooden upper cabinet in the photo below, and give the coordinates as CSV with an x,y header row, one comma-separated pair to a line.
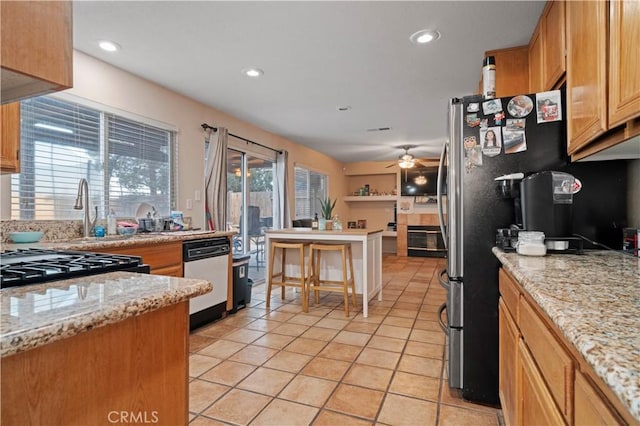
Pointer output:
x,y
586,72
512,70
10,138
547,48
554,46
624,61
36,48
536,84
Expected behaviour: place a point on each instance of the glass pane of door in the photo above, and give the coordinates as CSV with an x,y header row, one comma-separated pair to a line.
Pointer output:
x,y
260,174
250,182
235,197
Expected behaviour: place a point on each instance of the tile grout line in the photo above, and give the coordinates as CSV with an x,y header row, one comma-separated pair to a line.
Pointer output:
x,y
334,307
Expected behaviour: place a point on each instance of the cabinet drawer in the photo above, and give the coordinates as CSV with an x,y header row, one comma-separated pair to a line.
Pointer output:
x,y
510,293
159,256
172,271
555,365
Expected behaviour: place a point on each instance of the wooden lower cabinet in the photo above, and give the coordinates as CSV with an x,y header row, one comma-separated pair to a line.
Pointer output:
x,y
508,353
164,259
553,361
543,381
130,372
535,402
591,408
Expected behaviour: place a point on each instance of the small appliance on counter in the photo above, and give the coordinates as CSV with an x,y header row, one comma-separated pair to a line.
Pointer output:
x,y
547,202
543,202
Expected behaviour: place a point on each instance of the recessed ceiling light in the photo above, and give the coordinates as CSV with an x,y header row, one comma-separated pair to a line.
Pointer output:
x,y
344,108
109,46
252,72
424,36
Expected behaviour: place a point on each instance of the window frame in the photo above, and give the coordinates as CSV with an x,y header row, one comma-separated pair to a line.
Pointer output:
x,y
106,113
314,205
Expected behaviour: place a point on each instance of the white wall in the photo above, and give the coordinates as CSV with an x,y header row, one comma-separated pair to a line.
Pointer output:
x,y
100,82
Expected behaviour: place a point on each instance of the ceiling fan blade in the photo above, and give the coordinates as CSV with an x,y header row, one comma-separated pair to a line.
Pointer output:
x,y
390,165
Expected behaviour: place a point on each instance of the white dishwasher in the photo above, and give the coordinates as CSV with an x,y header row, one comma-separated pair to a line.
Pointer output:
x,y
207,259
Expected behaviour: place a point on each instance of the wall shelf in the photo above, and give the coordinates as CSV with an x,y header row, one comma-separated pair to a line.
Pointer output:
x,y
361,198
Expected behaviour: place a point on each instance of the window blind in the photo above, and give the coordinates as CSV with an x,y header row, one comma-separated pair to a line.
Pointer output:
x,y
310,188
125,162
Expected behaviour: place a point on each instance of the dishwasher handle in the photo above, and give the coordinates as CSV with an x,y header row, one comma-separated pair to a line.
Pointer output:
x,y
204,249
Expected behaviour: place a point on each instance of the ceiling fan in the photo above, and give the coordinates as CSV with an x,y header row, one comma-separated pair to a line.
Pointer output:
x,y
406,160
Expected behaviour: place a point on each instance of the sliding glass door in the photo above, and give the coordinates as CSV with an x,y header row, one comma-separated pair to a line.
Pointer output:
x,y
250,210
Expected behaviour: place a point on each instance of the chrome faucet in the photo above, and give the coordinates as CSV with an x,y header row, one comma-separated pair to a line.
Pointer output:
x,y
83,193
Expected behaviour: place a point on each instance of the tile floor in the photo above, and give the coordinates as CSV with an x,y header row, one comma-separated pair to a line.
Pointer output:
x,y
280,366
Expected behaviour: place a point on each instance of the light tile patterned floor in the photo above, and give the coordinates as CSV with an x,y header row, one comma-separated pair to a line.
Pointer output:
x,y
280,366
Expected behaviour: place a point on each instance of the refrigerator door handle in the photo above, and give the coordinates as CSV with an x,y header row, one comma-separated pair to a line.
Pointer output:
x,y
443,282
439,197
442,309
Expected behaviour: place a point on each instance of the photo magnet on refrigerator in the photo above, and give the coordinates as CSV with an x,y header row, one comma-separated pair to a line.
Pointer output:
x,y
548,106
491,141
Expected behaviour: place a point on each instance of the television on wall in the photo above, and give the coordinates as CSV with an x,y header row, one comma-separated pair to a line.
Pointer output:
x,y
421,181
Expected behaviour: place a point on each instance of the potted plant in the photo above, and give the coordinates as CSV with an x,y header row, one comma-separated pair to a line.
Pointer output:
x,y
326,209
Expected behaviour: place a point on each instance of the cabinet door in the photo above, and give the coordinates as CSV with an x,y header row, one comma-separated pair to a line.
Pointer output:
x,y
536,406
10,134
535,61
37,48
624,61
554,363
512,70
554,44
591,409
586,72
508,354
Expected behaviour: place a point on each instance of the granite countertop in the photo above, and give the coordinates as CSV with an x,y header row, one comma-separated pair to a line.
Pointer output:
x,y
594,299
39,314
94,243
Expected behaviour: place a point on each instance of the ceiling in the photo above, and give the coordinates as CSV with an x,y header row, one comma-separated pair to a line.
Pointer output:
x,y
316,57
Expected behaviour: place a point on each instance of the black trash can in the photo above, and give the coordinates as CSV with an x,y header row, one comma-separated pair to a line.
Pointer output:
x,y
241,283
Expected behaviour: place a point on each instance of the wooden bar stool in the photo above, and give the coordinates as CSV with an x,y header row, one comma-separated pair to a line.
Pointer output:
x,y
288,280
317,283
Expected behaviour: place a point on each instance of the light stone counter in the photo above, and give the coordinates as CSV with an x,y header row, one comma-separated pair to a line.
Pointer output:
x,y
35,315
594,300
94,243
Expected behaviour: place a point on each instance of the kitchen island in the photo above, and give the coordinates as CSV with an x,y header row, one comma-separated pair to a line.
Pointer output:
x,y
366,245
591,304
109,348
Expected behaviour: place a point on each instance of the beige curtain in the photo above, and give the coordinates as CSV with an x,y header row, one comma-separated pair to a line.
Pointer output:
x,y
280,198
216,179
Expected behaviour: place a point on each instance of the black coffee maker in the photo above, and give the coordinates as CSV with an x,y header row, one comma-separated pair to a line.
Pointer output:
x,y
547,203
509,187
543,202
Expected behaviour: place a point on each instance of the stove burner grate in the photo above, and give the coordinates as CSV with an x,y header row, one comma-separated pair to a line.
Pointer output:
x,y
30,266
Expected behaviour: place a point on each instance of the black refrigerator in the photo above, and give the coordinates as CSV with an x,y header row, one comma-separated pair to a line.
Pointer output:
x,y
489,138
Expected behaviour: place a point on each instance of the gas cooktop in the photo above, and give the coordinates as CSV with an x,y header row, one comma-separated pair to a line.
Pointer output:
x,y
31,266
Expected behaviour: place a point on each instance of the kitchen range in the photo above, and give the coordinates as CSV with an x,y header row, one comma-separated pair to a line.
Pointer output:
x,y
31,266
62,308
